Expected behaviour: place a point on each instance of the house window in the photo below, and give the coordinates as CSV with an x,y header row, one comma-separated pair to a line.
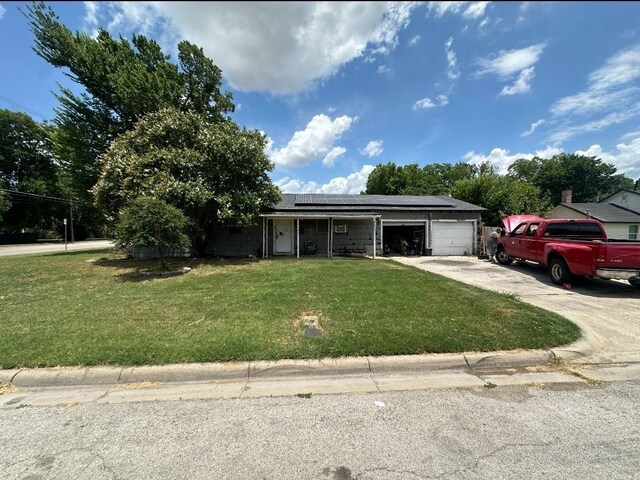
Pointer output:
x,y
234,230
633,232
340,228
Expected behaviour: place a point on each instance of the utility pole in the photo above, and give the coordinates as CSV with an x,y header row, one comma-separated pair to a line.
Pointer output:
x,y
73,240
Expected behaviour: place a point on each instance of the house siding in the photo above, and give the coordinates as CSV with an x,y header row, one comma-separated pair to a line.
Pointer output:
x,y
626,199
612,229
563,212
243,244
617,230
358,238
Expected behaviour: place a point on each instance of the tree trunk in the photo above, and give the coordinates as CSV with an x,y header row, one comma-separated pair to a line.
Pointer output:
x,y
162,265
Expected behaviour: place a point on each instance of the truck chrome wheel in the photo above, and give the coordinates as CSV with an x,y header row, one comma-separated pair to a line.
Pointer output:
x,y
556,272
503,258
559,272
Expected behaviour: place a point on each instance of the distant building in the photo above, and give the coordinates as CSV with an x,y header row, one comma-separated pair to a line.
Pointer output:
x,y
619,213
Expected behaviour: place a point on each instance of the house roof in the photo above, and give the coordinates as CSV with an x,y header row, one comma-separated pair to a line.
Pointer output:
x,y
318,202
628,190
605,212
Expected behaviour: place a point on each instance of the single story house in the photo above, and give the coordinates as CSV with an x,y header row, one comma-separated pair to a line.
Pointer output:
x,y
346,224
618,213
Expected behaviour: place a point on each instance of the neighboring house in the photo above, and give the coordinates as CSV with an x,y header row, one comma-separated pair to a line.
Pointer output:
x,y
345,224
618,213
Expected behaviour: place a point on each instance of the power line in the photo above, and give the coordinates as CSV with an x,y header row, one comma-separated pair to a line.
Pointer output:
x,y
44,197
22,107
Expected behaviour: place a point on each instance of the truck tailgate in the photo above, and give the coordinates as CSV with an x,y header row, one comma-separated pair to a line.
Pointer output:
x,y
621,255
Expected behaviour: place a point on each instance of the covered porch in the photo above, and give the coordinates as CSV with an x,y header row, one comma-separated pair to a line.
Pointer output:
x,y
327,234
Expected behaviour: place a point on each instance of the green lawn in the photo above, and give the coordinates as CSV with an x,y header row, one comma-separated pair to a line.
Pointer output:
x,y
60,309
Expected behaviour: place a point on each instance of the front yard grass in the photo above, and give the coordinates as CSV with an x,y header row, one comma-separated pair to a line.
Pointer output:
x,y
61,309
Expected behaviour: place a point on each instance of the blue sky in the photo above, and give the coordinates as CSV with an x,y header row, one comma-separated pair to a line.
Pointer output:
x,y
342,87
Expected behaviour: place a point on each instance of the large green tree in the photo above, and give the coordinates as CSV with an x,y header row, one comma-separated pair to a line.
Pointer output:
x,y
432,179
122,81
501,196
27,165
211,171
590,178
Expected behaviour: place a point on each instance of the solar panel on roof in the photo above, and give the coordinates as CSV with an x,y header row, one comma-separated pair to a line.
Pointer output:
x,y
372,200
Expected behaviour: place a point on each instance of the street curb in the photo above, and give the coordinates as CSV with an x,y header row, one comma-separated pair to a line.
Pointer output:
x,y
279,369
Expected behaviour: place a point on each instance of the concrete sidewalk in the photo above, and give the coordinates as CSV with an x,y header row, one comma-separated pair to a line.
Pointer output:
x,y
72,386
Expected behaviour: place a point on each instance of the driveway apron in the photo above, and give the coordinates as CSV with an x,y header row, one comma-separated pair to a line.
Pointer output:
x,y
608,312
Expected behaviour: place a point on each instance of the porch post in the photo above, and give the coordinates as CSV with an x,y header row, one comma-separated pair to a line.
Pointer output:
x,y
266,239
382,235
374,237
331,243
426,234
328,238
297,238
263,242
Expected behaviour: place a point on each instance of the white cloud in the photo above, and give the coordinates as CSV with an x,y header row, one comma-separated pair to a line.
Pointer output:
x,y
314,142
452,62
590,101
383,69
501,158
475,10
622,68
569,130
353,183
442,100
2,10
427,103
533,128
441,8
468,10
280,47
373,149
507,63
90,20
630,135
424,103
603,90
414,40
522,83
610,98
330,159
625,157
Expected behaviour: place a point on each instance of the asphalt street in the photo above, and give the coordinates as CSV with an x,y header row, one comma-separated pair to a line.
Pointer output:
x,y
53,247
556,431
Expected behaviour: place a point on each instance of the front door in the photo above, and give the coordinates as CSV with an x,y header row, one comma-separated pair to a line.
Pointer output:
x,y
282,236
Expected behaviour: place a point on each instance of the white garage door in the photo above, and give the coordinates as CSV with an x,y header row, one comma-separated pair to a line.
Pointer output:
x,y
451,238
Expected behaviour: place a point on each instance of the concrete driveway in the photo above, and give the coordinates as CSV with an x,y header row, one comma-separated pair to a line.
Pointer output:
x,y
53,247
608,312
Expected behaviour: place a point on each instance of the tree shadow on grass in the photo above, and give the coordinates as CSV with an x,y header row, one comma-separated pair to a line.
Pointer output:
x,y
75,253
135,266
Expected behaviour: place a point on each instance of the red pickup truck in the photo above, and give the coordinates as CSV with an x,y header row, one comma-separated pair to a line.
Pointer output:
x,y
569,248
